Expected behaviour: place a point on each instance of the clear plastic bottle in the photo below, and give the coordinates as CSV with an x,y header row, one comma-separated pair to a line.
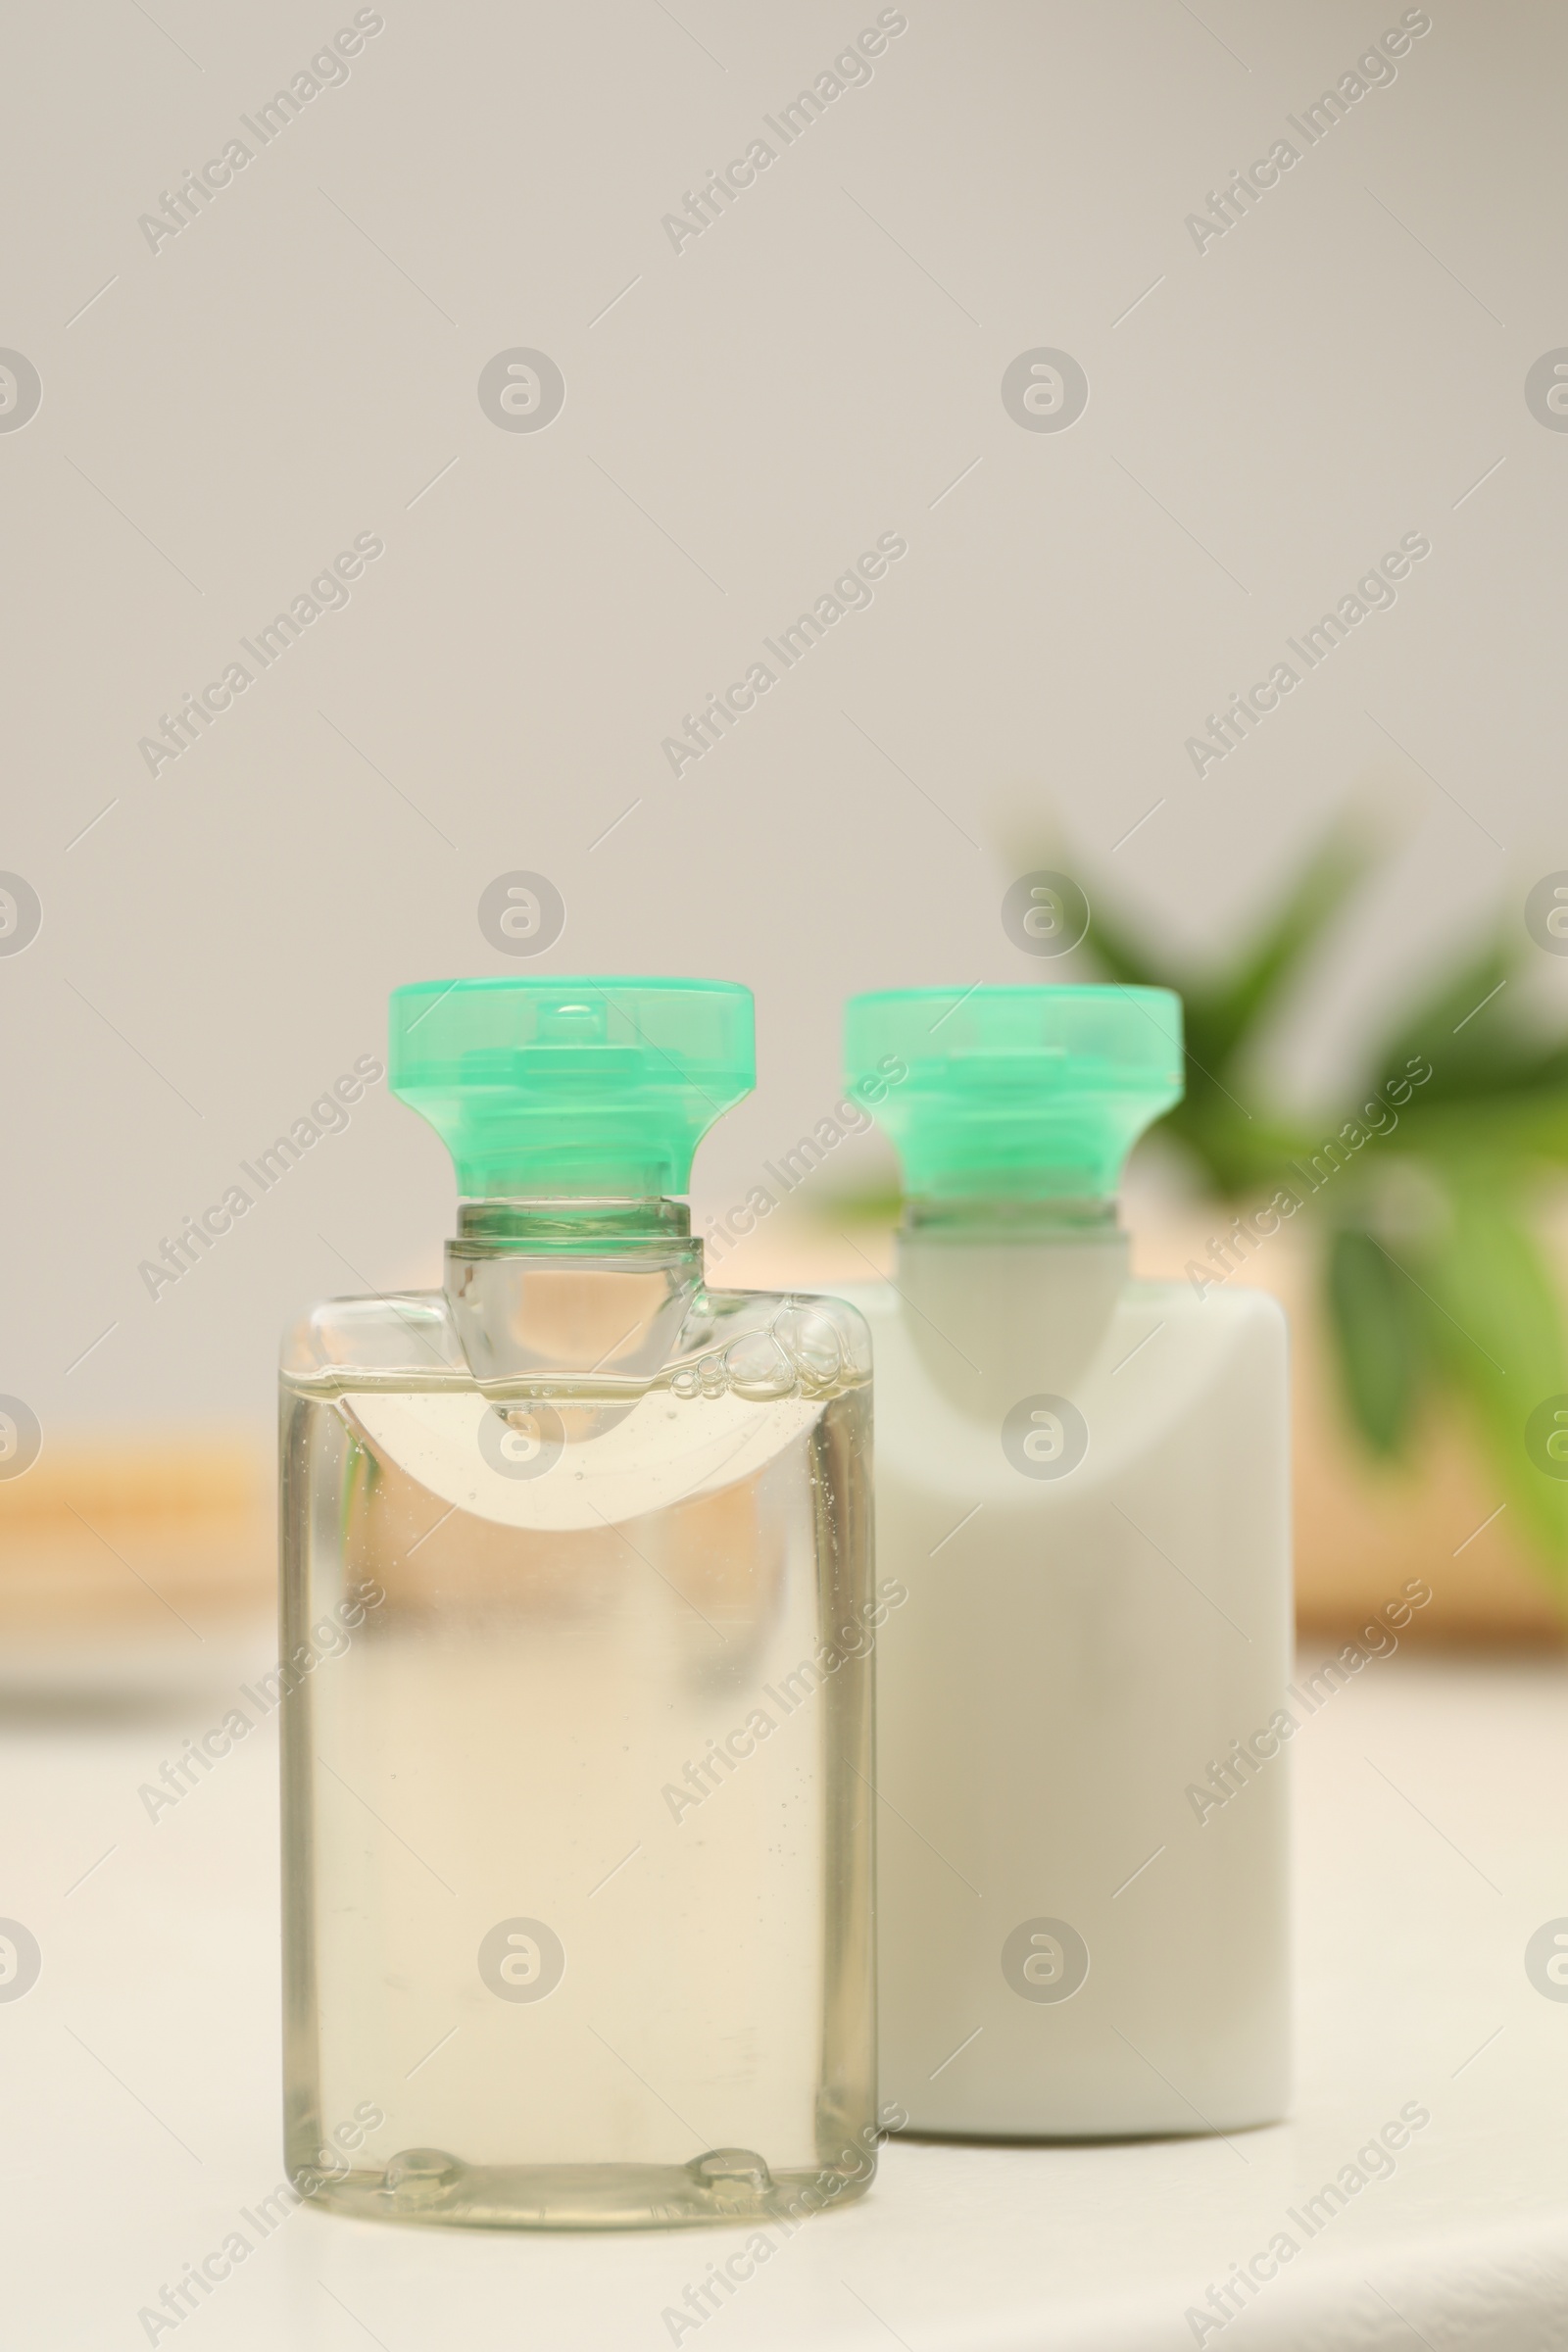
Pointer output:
x,y
1082,1479
576,1628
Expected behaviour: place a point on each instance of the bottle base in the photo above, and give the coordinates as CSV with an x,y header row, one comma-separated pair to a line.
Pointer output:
x,y
1076,2131
432,2187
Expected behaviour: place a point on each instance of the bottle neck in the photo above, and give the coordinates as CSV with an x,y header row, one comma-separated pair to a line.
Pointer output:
x,y
581,1228
982,1217
541,1289
1009,1296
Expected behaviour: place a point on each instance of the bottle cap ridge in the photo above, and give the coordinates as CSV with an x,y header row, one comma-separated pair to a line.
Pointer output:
x,y
1033,1093
551,1088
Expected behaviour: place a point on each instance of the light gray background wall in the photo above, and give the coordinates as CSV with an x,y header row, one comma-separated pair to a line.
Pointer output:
x,y
742,418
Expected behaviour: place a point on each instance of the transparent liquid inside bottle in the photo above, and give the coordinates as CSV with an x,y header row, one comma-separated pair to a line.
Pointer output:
x,y
577,1835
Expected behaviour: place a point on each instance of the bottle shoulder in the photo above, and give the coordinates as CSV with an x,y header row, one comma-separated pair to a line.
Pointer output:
x,y
1237,1303
800,1311
1234,1306
749,1339
407,1331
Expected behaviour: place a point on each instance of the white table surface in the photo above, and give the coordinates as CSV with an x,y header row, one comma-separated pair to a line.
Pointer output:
x,y
141,2103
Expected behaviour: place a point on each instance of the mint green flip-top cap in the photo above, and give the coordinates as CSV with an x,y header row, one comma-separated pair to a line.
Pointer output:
x,y
1036,1093
551,1088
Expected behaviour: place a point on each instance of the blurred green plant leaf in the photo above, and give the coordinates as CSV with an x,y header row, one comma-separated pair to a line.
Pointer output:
x,y
1236,1144
1378,1323
1485,1064
1500,1330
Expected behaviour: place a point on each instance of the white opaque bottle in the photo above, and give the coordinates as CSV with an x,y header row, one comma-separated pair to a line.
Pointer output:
x,y
1082,1479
